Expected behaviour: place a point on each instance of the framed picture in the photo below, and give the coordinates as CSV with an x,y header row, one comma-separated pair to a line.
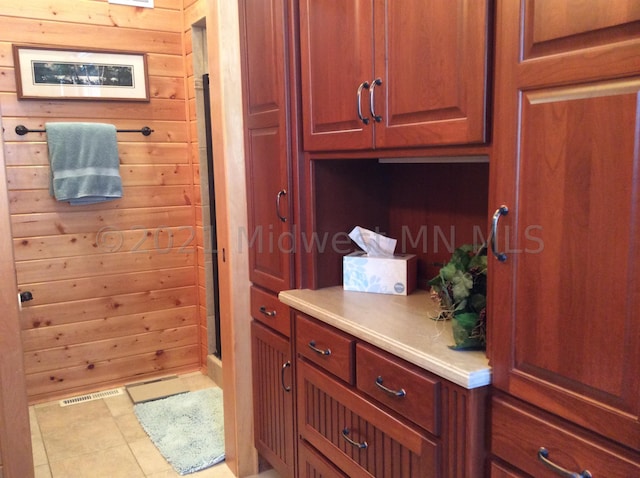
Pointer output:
x,y
44,72
134,3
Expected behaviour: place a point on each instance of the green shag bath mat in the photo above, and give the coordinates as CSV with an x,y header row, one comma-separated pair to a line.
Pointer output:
x,y
187,428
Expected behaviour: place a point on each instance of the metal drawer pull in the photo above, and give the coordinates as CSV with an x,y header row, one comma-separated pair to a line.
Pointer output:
x,y
501,211
543,456
282,192
312,346
363,85
345,435
267,313
395,393
285,366
376,82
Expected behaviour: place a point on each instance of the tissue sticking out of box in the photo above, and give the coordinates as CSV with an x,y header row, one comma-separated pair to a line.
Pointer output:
x,y
376,268
375,245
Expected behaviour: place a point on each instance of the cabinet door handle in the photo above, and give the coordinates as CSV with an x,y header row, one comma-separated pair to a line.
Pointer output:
x,y
285,366
361,445
282,192
396,393
501,211
312,346
543,456
267,313
376,82
363,86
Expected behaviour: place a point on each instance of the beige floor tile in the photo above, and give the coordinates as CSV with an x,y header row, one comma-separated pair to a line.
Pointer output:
x,y
33,422
39,452
220,470
78,430
117,462
42,471
217,471
197,381
130,427
119,405
149,457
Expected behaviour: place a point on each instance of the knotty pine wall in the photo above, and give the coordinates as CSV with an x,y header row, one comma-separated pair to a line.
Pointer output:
x,y
120,306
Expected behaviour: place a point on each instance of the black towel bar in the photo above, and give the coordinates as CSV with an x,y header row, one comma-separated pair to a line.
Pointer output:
x,y
22,130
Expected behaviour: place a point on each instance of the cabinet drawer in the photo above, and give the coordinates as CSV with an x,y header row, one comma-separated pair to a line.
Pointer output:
x,y
355,435
266,308
325,346
518,431
314,465
411,392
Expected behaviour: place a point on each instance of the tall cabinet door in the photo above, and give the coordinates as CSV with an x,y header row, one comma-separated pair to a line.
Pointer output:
x,y
267,157
336,49
564,304
431,59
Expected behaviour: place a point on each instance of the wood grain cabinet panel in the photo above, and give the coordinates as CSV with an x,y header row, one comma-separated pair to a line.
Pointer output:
x,y
413,393
358,437
326,347
272,394
267,154
415,69
518,432
563,306
313,465
266,308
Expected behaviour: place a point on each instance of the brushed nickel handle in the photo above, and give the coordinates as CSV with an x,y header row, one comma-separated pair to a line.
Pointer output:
x,y
364,85
266,312
396,393
282,192
312,346
361,445
376,82
543,456
285,366
501,211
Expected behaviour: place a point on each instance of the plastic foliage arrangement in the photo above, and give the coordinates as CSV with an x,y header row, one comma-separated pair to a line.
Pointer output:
x,y
461,289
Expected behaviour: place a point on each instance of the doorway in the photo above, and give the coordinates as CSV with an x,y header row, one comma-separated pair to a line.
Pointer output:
x,y
207,188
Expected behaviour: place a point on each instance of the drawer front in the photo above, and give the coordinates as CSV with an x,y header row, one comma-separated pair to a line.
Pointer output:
x,y
518,431
498,470
266,308
413,393
314,465
326,347
358,437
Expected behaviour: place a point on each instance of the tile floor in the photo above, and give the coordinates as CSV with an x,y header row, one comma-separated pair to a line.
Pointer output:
x,y
102,438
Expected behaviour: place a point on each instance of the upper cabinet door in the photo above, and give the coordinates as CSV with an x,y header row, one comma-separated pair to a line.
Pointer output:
x,y
564,305
431,57
389,74
336,47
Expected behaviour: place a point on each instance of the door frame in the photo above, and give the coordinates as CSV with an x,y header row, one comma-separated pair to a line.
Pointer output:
x,y
15,431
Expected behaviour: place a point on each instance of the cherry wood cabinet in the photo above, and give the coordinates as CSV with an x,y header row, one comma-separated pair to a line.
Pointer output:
x,y
366,412
267,151
265,69
385,74
272,395
563,305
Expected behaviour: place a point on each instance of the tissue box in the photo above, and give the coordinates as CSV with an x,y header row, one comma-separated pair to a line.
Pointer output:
x,y
383,275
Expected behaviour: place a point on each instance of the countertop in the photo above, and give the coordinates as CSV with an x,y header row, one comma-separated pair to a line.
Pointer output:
x,y
397,324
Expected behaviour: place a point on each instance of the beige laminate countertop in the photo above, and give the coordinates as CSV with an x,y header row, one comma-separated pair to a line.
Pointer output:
x,y
397,324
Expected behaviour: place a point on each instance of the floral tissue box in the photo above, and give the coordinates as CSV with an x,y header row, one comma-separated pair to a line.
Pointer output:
x,y
395,275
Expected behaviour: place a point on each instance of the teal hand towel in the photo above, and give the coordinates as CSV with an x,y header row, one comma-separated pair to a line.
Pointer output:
x,y
85,166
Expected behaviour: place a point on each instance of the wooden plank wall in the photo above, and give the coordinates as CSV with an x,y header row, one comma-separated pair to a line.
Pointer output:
x,y
115,285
